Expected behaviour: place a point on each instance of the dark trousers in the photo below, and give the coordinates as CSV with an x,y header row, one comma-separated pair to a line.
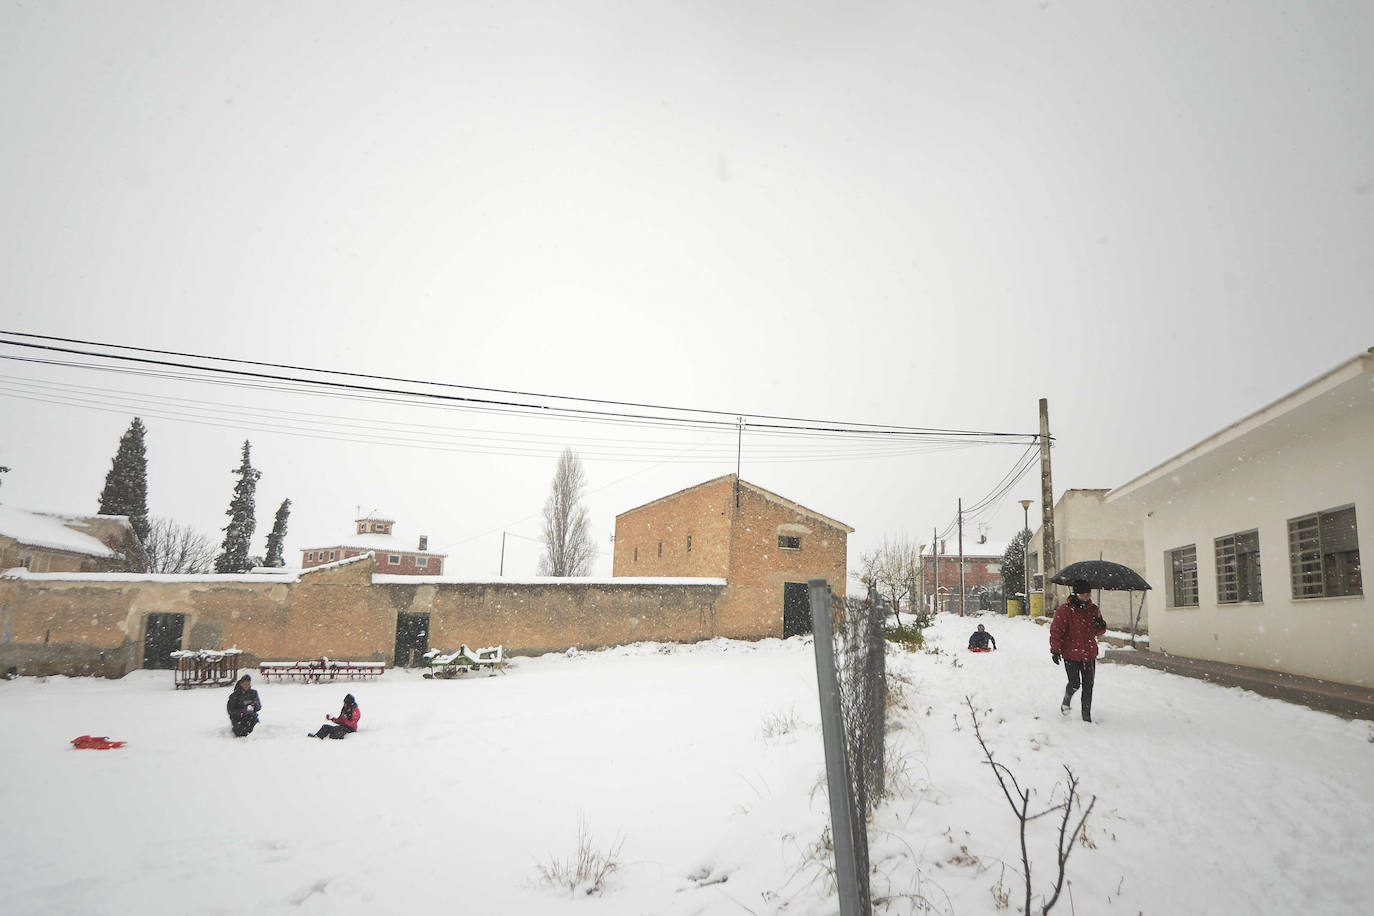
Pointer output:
x,y
1080,673
333,731
242,725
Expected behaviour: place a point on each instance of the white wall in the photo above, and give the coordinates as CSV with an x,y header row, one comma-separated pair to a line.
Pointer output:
x,y
1316,459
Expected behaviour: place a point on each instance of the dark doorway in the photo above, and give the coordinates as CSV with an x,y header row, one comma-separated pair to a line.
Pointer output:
x,y
412,640
796,609
162,637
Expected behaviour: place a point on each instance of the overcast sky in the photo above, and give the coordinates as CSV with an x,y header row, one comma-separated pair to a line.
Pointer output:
x,y
1159,216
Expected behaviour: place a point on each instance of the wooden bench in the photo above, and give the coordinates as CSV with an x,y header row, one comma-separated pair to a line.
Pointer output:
x,y
205,668
315,670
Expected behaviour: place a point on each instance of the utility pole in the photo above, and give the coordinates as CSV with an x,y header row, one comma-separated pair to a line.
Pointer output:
x,y
502,570
961,558
1047,508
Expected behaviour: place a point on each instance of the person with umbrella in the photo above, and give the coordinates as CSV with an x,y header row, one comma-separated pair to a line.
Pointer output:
x,y
1073,636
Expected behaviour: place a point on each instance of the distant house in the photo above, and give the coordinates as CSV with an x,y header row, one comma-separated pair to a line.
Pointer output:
x,y
982,574
1088,527
391,554
52,542
765,546
1253,537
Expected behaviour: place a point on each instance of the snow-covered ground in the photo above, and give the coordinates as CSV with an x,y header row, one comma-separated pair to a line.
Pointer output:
x,y
702,764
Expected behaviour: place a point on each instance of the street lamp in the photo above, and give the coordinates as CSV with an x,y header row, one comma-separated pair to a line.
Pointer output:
x,y
1025,553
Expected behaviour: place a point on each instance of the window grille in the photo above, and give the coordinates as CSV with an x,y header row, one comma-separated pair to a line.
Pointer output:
x,y
1324,554
1183,576
1238,568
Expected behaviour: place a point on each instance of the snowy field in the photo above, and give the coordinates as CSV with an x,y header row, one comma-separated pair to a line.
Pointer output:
x,y
701,765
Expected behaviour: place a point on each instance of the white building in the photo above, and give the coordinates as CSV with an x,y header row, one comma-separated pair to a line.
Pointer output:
x,y
1087,527
1253,536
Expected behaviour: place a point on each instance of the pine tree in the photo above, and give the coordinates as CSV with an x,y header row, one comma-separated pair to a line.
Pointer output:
x,y
277,538
126,485
238,534
1014,565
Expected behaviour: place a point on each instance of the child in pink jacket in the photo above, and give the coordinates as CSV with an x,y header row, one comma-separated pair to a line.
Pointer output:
x,y
345,723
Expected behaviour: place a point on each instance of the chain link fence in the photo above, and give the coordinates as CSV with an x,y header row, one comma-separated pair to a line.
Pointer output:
x,y
851,675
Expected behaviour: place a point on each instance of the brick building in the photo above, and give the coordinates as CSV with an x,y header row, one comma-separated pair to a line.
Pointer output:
x,y
982,574
392,555
765,546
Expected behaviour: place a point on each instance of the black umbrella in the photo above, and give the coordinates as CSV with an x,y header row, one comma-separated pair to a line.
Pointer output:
x,y
1103,574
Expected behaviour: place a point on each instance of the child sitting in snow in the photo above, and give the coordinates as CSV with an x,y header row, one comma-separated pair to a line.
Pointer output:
x,y
345,723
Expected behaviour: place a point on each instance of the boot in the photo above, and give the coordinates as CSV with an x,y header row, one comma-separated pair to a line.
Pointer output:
x,y
1068,699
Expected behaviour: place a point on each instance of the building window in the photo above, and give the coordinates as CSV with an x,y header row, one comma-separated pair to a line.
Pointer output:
x,y
1324,554
393,559
1238,568
660,548
331,554
1183,576
309,556
689,543
789,541
1034,563
422,561
636,554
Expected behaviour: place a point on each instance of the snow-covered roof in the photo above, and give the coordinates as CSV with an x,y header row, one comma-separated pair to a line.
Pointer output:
x,y
973,549
180,578
52,531
382,543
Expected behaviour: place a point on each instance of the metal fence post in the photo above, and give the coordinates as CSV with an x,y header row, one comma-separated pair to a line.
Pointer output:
x,y
836,767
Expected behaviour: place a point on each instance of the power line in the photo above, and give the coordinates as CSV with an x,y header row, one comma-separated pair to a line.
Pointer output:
x,y
674,414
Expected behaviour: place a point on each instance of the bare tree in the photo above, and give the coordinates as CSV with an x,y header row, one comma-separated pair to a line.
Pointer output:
x,y
1019,800
893,570
568,549
177,548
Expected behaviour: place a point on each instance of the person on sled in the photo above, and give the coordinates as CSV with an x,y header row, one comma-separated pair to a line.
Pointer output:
x,y
243,707
980,639
345,723
1073,634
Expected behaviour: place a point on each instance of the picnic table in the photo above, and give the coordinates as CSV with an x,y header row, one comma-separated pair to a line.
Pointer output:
x,y
451,664
315,670
205,668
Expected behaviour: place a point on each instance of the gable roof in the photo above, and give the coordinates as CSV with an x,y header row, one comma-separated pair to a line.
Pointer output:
x,y
1323,399
754,488
53,531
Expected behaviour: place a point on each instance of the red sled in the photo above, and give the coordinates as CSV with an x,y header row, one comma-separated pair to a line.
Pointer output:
x,y
971,649
90,743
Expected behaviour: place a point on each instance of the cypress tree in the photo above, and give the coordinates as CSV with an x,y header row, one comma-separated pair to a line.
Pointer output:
x,y
277,538
126,485
238,534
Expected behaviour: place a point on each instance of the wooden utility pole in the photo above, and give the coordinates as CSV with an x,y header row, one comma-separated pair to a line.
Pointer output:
x,y
961,558
1047,549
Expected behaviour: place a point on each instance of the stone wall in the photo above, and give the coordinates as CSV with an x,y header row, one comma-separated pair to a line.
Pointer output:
x,y
96,624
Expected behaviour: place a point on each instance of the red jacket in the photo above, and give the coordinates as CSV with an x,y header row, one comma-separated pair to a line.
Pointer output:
x,y
1074,631
349,721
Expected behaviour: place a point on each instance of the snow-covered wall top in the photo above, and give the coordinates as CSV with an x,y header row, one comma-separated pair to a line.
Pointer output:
x,y
38,529
384,579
